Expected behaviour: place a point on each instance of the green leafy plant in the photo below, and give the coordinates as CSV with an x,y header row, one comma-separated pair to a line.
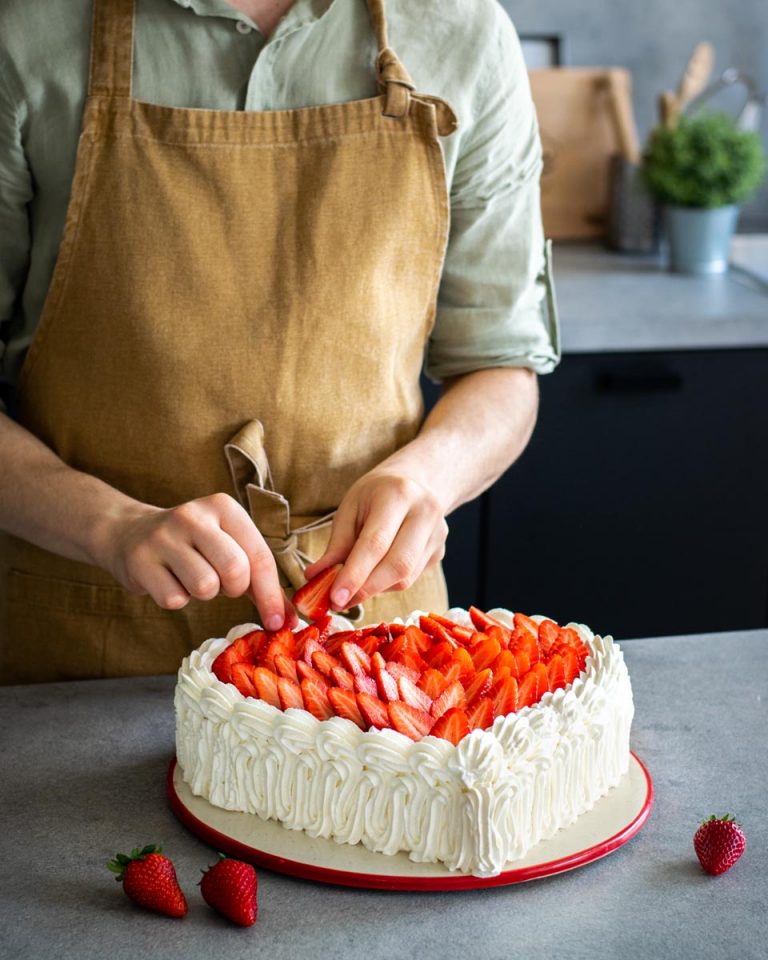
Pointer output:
x,y
705,161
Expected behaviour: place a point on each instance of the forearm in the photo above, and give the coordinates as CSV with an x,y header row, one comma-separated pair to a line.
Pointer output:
x,y
44,501
479,427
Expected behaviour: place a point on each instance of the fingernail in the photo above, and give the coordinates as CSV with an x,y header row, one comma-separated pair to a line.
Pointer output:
x,y
340,598
274,622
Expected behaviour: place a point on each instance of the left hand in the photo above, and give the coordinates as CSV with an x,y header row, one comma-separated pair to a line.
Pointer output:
x,y
387,530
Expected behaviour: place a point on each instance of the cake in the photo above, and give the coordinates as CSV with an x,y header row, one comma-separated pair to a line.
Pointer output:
x,y
462,740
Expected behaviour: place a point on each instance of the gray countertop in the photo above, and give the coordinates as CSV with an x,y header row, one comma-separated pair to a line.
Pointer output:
x,y
615,302
83,775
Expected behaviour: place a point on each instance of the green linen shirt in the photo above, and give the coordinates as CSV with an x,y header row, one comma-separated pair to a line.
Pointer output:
x,y
495,305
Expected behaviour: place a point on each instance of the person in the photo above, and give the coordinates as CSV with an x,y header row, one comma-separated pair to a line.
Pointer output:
x,y
232,234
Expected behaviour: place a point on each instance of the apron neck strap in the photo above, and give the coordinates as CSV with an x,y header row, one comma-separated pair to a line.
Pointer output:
x,y
393,79
111,49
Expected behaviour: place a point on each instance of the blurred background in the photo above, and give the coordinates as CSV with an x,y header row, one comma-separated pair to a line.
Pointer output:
x,y
641,504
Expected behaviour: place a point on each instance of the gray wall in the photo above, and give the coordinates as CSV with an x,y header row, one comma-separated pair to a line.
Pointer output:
x,y
653,39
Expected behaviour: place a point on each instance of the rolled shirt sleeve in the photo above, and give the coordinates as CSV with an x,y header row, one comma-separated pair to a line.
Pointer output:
x,y
496,304
15,196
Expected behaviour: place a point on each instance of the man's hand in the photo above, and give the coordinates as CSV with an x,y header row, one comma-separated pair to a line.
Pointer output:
x,y
199,549
387,530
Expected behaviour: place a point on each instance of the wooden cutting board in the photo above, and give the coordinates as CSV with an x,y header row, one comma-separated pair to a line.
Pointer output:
x,y
577,119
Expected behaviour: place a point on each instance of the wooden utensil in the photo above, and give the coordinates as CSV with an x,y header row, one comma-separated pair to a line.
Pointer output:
x,y
696,74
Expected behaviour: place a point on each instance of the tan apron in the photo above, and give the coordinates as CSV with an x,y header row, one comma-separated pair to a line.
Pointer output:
x,y
220,270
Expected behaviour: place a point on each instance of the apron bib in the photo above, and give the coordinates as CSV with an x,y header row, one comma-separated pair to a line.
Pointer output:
x,y
240,303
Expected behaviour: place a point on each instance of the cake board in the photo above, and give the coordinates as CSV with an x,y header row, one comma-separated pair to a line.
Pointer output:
x,y
614,820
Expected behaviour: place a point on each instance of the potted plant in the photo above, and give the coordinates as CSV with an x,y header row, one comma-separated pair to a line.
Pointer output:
x,y
700,171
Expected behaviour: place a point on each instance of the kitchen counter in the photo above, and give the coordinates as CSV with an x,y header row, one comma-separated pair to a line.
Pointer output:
x,y
612,302
83,776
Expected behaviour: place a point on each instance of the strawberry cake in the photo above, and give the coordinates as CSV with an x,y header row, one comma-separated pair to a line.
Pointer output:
x,y
462,739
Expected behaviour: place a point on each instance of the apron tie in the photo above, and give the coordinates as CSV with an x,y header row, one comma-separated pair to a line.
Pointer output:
x,y
295,542
394,81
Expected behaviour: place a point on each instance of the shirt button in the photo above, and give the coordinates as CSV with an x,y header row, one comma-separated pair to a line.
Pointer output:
x,y
242,27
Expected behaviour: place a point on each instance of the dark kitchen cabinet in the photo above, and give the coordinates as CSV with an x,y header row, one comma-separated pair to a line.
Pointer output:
x,y
641,504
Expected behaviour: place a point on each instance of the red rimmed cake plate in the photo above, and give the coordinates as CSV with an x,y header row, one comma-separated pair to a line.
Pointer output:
x,y
614,820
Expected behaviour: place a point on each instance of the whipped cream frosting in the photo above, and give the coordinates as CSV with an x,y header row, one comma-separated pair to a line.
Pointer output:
x,y
476,807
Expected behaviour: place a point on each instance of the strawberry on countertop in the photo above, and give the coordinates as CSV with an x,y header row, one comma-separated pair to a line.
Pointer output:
x,y
230,887
149,879
719,842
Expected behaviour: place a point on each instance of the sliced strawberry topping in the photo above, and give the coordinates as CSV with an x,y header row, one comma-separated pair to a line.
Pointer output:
x,y
418,639
316,699
386,683
323,662
286,667
528,690
480,714
505,659
505,698
289,694
480,685
523,663
467,667
399,670
408,720
452,696
484,653
342,678
265,682
335,640
571,666
411,694
556,672
435,630
548,630
344,704
433,683
242,677
308,633
364,684
542,680
249,645
482,621
440,654
276,648
452,725
222,665
355,659
311,647
371,644
306,672
314,598
373,710
459,633
523,642
527,624
451,671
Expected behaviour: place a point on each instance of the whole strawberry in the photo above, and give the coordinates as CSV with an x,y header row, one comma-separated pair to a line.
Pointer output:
x,y
719,843
229,886
149,879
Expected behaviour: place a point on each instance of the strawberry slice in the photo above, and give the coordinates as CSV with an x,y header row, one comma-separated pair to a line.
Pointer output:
x,y
316,699
528,690
265,682
571,666
311,647
435,630
314,598
542,680
308,633
364,684
522,663
548,630
249,645
276,648
482,621
523,642
373,710
419,640
467,668
459,633
399,670
345,705
386,683
484,653
556,672
452,725
526,624
371,644
355,659
289,693
306,672
506,698
451,671
411,694
286,667
335,640
342,678
452,696
408,720
505,659
223,664
323,662
432,682
242,677
479,686
480,715
440,654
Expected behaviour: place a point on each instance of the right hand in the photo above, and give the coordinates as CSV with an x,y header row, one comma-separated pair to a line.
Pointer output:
x,y
199,549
